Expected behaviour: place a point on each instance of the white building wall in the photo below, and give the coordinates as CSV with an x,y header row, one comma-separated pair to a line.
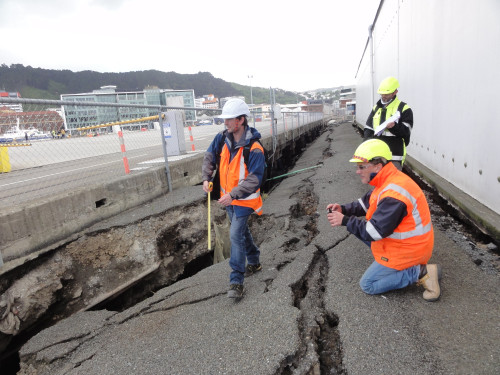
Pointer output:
x,y
445,54
198,103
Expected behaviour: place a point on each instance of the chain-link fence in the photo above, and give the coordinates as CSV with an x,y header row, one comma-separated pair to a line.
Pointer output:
x,y
43,154
343,114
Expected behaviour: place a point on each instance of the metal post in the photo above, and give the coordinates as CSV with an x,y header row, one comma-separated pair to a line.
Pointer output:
x,y
191,138
124,153
272,119
285,126
251,95
370,34
275,123
165,153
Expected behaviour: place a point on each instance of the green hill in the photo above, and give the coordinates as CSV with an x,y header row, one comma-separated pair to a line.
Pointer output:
x,y
38,83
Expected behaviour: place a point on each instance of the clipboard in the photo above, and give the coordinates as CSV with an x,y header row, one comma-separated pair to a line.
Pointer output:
x,y
394,118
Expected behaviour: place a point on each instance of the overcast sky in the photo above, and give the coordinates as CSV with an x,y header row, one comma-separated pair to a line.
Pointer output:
x,y
288,44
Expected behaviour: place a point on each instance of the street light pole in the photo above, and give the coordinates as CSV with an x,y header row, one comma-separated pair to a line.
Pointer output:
x,y
251,96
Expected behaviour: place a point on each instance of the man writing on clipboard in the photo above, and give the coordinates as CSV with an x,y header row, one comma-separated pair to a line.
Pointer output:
x,y
391,120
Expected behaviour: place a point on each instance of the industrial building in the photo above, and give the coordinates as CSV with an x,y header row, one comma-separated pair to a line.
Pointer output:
x,y
83,116
443,54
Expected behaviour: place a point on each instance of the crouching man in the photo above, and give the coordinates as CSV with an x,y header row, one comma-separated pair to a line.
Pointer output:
x,y
397,228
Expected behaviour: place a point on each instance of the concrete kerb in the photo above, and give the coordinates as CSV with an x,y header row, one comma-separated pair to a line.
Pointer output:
x,y
484,218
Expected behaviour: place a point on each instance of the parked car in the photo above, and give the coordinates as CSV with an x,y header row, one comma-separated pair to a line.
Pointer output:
x,y
206,122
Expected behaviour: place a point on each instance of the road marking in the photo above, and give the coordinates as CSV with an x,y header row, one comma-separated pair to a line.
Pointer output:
x,y
170,158
153,161
72,170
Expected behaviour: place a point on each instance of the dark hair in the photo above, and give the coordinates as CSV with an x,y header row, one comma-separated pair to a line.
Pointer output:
x,y
379,160
245,123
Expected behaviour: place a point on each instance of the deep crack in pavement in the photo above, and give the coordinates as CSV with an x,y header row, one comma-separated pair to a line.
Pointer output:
x,y
320,351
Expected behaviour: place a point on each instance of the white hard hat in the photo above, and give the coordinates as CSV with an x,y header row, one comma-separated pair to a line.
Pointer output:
x,y
234,108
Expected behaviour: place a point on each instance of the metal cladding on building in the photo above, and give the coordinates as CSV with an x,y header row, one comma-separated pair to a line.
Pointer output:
x,y
449,76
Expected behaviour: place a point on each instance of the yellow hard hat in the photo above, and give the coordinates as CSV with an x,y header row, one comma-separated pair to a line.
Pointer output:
x,y
370,149
388,85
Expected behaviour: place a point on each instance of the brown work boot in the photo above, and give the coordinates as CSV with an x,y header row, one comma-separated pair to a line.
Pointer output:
x,y
430,281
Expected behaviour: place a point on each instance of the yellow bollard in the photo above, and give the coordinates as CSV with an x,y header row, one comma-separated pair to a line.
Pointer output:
x,y
4,160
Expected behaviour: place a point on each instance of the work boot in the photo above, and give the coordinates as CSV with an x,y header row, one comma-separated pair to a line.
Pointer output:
x,y
252,268
430,282
235,291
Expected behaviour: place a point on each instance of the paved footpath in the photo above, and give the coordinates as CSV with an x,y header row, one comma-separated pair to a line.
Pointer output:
x,y
303,314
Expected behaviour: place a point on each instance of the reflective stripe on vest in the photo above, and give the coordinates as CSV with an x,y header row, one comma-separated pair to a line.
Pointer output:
x,y
372,231
242,169
242,177
412,241
419,228
362,204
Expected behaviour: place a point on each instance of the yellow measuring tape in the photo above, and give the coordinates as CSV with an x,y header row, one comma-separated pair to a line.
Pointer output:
x,y
210,187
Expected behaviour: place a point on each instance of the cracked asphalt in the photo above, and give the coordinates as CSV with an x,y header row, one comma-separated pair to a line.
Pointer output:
x,y
303,314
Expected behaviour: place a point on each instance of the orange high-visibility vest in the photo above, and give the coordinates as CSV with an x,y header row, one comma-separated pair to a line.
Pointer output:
x,y
412,241
235,171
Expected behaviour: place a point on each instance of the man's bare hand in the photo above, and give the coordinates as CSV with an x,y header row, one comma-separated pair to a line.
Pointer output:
x,y
225,200
334,207
335,218
206,187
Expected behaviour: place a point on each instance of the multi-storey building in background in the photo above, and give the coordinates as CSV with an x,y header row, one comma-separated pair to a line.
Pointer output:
x,y
210,102
13,107
83,116
224,100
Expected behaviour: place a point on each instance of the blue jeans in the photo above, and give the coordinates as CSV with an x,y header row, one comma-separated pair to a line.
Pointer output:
x,y
242,246
380,279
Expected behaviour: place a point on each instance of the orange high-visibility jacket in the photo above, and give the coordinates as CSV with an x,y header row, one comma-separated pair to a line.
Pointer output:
x,y
235,171
412,241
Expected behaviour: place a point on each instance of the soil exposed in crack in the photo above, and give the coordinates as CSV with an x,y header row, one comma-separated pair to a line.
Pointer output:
x,y
321,350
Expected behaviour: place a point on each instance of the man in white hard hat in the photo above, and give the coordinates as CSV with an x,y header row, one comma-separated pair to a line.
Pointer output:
x,y
240,177
396,133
